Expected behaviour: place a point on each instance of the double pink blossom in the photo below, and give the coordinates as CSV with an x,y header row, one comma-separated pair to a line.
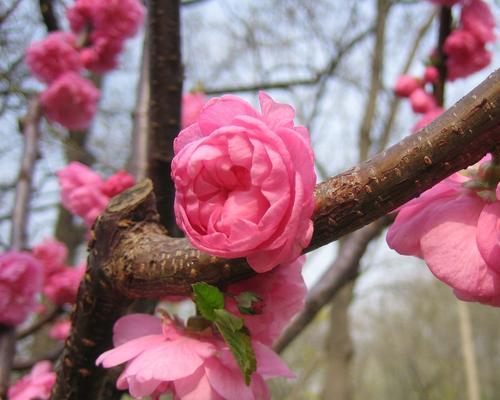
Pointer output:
x,y
109,23
427,118
36,385
192,104
60,330
21,279
282,293
406,85
422,101
52,254
456,230
62,287
244,182
164,358
465,47
53,56
85,194
70,101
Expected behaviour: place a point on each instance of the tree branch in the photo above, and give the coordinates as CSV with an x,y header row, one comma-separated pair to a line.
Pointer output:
x,y
325,72
48,15
342,270
445,21
132,257
18,225
165,102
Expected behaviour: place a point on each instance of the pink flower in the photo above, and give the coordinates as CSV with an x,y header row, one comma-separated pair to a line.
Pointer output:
x,y
37,385
70,101
448,3
61,288
117,183
192,103
81,191
427,118
21,278
431,74
466,54
52,254
118,19
244,182
85,194
53,56
164,358
476,18
457,233
282,292
406,85
422,102
102,55
60,330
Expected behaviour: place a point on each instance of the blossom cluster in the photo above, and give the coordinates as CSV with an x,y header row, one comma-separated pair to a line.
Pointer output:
x,y
244,188
85,193
466,53
455,228
98,31
24,277
198,364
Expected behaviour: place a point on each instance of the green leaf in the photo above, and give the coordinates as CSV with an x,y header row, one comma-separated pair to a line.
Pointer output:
x,y
236,336
208,298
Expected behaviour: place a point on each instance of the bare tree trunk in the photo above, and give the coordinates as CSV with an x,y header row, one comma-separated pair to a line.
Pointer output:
x,y
468,351
340,348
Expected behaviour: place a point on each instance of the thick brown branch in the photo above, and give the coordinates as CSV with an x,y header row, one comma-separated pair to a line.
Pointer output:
x,y
132,257
164,103
340,272
157,265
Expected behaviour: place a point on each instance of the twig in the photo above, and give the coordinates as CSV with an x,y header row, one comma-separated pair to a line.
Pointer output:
x,y
47,318
9,11
48,15
51,355
319,76
445,20
25,180
18,226
394,106
383,8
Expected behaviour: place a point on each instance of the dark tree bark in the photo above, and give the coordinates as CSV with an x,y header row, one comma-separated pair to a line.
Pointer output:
x,y
165,71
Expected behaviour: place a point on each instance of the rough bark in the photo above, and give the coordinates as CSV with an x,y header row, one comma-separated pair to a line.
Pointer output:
x,y
132,257
165,89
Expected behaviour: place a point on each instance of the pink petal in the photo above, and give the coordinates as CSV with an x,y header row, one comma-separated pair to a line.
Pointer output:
x,y
269,364
171,360
275,114
186,136
219,112
227,382
129,350
195,387
449,247
488,235
134,326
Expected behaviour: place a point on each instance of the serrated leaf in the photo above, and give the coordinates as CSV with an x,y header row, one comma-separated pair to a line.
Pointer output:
x,y
235,335
207,298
